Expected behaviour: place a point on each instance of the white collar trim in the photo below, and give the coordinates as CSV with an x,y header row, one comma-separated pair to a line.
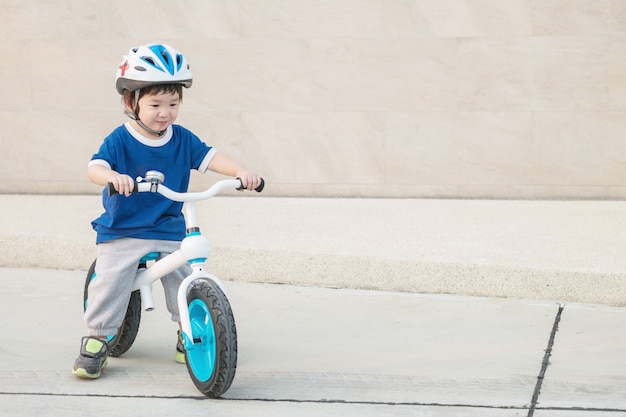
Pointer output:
x,y
154,143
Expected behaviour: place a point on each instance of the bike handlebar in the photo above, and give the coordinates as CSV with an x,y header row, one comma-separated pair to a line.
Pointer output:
x,y
185,197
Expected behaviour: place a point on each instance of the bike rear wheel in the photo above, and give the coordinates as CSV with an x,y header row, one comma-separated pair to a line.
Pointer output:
x,y
212,361
125,337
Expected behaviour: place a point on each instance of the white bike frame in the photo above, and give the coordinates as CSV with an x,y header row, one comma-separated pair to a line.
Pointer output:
x,y
194,250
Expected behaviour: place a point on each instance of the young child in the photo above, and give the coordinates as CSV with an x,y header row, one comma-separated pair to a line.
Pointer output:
x,y
150,79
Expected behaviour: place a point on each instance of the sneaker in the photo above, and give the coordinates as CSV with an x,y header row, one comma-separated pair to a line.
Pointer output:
x,y
92,359
180,349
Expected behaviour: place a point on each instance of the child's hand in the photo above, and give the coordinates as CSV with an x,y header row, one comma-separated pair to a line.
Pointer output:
x,y
123,183
249,180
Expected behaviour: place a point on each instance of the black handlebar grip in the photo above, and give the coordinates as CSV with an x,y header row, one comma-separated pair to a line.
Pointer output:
x,y
261,186
112,191
257,189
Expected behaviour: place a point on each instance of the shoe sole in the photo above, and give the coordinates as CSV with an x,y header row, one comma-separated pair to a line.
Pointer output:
x,y
82,372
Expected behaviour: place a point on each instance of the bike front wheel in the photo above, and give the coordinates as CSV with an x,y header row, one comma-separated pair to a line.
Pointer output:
x,y
212,361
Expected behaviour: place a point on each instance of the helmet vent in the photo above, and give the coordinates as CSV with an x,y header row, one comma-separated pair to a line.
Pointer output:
x,y
165,56
179,61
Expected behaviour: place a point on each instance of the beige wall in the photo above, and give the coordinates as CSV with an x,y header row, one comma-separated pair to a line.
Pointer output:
x,y
419,98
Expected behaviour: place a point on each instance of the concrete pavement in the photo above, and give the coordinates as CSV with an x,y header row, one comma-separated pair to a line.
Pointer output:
x,y
317,351
528,318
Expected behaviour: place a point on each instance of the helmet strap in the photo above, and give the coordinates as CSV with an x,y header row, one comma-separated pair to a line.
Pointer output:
x,y
135,116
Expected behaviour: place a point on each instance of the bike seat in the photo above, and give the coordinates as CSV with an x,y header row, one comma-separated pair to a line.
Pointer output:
x,y
150,257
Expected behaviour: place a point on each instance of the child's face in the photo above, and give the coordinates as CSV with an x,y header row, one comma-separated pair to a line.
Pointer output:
x,y
158,111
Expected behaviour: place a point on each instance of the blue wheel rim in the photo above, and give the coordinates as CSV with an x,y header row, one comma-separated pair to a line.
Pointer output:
x,y
202,356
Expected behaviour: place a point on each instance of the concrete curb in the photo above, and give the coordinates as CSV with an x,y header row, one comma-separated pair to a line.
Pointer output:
x,y
552,250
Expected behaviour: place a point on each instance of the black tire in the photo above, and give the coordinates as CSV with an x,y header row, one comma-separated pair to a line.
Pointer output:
x,y
212,362
125,337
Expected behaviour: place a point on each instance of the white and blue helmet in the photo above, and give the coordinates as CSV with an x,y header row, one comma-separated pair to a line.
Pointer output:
x,y
152,64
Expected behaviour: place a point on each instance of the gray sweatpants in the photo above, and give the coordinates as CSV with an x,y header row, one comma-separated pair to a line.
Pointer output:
x,y
116,267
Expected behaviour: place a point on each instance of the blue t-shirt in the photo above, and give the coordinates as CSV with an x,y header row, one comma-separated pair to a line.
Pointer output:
x,y
148,215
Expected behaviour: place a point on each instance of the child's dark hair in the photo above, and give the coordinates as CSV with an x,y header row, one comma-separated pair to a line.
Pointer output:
x,y
129,96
